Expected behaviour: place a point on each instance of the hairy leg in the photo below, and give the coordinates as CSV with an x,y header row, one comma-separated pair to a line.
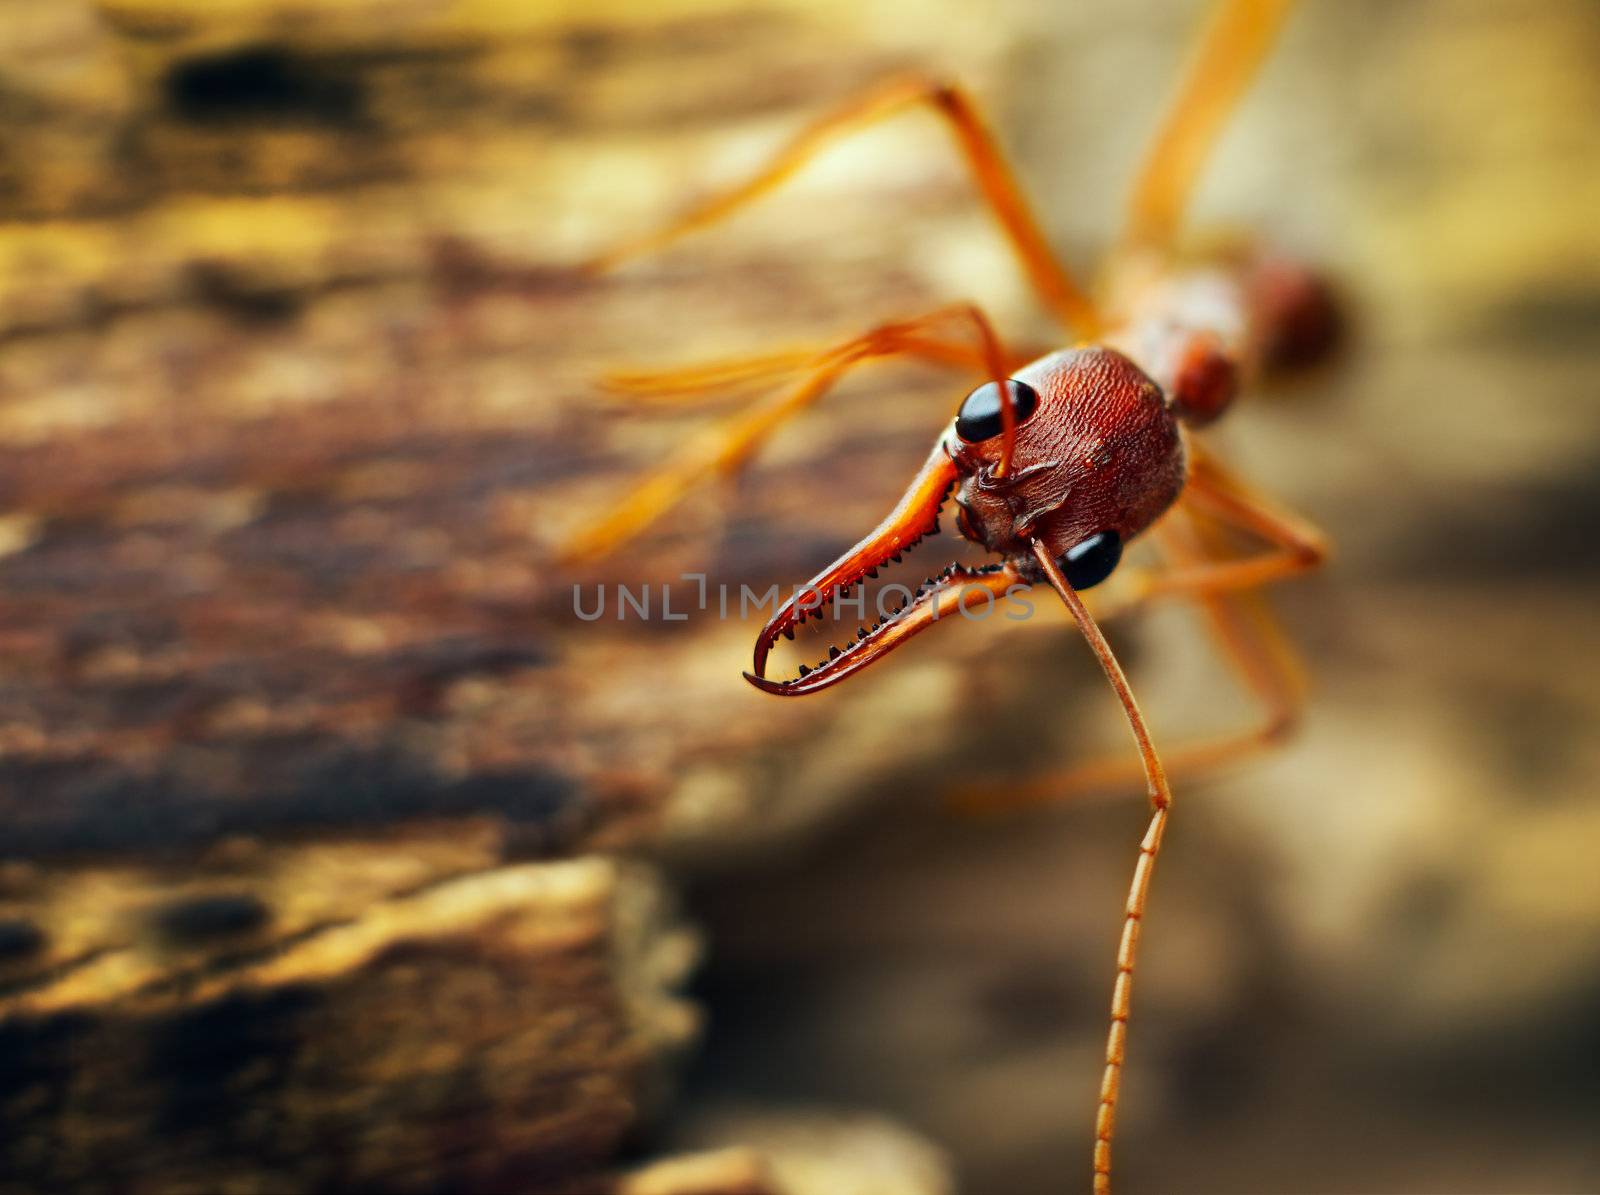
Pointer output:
x,y
1247,636
996,181
1138,890
1235,41
714,380
723,448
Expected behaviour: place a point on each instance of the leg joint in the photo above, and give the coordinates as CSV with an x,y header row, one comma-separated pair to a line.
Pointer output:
x,y
1281,725
1310,549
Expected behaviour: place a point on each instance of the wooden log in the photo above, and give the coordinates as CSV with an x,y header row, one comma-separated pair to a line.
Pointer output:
x,y
392,1016
283,452
296,393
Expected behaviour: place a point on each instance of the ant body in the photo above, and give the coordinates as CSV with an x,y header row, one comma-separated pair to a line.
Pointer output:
x,y
1057,463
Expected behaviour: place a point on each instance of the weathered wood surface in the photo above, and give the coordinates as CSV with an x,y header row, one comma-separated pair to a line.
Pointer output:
x,y
396,1015
400,1014
293,400
298,392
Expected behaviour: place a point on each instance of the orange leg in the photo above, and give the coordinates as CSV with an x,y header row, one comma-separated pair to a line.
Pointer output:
x,y
1231,48
1262,661
996,182
1253,646
1213,490
1138,890
1239,621
724,448
711,380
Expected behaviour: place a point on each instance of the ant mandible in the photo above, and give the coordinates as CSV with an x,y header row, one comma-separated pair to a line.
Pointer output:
x,y
1055,464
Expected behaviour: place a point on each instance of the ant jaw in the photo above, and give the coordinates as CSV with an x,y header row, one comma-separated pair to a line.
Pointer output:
x,y
952,591
916,515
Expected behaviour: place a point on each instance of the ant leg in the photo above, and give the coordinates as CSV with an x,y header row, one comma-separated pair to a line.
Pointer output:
x,y
1138,890
1243,628
714,379
1256,651
1230,51
1212,489
707,379
724,448
996,181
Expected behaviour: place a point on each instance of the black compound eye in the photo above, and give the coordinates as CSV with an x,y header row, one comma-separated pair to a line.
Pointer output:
x,y
1091,562
979,418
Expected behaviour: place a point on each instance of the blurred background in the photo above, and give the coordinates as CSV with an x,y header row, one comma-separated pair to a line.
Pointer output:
x,y
336,852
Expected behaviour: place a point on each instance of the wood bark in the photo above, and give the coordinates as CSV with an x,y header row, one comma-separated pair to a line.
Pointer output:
x,y
304,753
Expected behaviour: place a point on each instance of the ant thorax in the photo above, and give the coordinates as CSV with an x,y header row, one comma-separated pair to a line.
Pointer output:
x,y
1203,328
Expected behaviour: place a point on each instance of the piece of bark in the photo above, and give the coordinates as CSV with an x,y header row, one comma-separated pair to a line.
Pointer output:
x,y
296,394
284,452
392,1016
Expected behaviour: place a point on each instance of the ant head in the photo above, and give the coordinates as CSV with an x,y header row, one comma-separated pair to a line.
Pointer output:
x,y
1097,454
1095,458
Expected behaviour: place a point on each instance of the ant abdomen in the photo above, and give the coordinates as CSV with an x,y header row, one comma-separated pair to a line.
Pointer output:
x,y
1295,313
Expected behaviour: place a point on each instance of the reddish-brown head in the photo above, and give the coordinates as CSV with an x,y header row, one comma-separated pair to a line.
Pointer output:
x,y
1099,452
1096,459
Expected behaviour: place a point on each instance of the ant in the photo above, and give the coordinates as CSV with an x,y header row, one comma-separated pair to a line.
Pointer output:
x,y
1056,463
